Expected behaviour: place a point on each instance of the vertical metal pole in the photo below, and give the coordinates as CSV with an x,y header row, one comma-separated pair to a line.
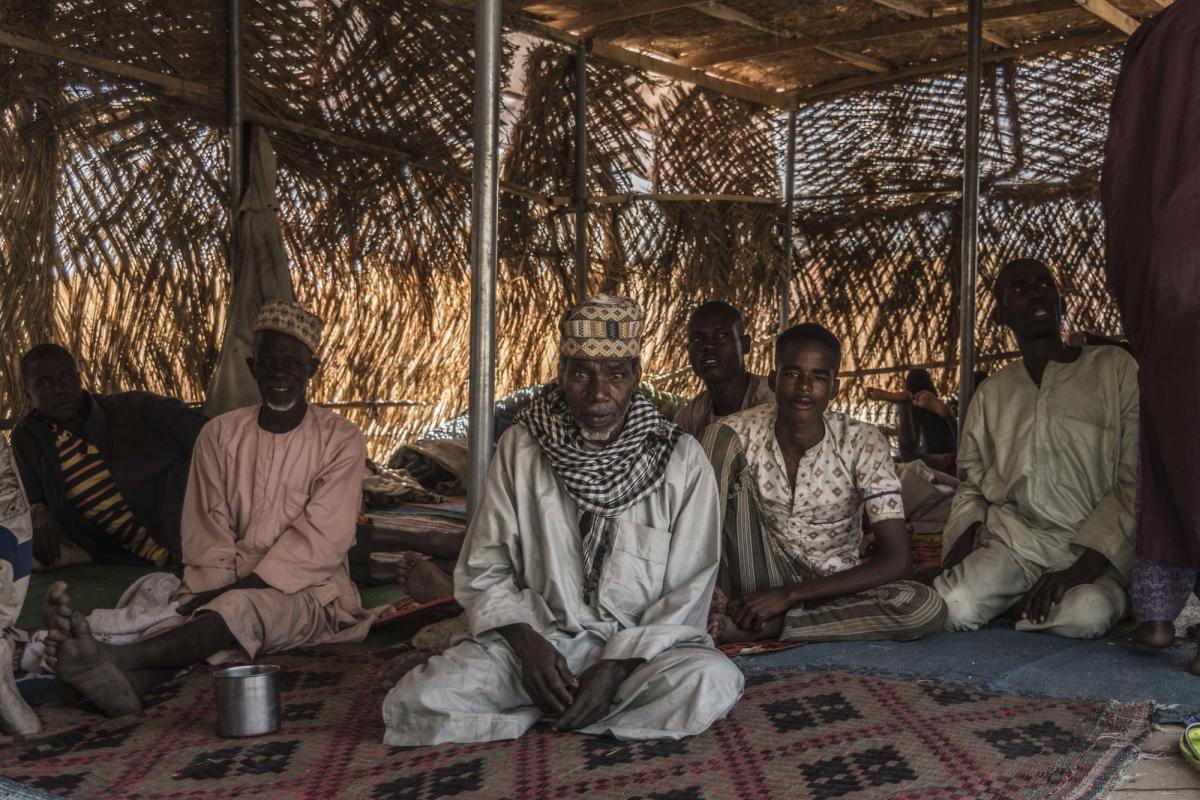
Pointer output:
x,y
484,203
581,189
970,210
789,204
237,141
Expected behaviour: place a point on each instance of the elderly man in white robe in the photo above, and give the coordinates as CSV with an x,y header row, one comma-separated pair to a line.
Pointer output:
x,y
588,568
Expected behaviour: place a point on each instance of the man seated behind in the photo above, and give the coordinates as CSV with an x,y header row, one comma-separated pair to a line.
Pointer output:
x,y
104,473
268,519
1042,524
717,345
794,478
588,567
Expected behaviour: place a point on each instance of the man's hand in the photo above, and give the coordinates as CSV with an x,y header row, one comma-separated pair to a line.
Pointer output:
x,y
597,687
544,672
48,535
876,393
197,601
931,402
755,610
251,581
1049,589
963,547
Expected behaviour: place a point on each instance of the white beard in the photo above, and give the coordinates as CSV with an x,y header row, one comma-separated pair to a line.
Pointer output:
x,y
283,408
597,435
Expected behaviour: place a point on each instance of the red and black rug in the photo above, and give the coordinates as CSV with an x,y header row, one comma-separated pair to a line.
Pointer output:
x,y
829,736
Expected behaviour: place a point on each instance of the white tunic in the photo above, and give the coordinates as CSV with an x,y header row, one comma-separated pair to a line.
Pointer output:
x,y
521,563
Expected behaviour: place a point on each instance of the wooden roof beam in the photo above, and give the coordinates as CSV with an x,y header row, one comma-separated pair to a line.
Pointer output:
x,y
877,31
921,12
723,12
1110,14
619,12
845,85
658,66
647,63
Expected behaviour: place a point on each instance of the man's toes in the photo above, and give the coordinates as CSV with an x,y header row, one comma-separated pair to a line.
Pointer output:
x,y
79,626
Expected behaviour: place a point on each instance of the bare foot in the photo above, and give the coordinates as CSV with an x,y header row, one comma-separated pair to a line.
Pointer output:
x,y
725,631
86,666
16,717
422,579
56,614
1156,633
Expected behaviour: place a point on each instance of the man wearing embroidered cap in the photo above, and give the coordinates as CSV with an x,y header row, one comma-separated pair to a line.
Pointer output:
x,y
588,568
268,519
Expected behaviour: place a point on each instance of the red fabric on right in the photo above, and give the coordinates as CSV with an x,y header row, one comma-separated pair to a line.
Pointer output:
x,y
1151,198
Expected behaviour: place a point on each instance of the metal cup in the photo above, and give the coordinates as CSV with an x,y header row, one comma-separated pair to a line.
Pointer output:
x,y
247,700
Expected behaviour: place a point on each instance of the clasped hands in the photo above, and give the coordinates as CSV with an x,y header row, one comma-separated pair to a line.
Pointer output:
x,y
753,611
575,702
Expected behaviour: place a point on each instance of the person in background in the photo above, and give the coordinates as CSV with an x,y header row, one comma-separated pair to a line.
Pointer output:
x,y
717,345
104,473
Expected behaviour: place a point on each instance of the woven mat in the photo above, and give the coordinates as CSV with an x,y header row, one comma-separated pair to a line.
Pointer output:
x,y
819,735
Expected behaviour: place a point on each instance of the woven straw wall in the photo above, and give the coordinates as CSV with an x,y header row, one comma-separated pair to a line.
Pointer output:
x,y
113,220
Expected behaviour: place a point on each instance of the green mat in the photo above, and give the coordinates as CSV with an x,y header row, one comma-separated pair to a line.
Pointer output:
x,y
95,586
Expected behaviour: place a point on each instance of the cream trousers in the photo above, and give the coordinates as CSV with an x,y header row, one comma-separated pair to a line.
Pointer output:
x,y
992,578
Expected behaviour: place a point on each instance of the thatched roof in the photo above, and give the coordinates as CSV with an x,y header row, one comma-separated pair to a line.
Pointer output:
x,y
113,220
783,52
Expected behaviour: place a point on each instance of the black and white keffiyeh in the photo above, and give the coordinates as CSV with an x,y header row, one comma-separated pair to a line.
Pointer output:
x,y
602,481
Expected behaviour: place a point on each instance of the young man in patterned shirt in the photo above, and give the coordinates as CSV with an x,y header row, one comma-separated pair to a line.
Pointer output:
x,y
794,478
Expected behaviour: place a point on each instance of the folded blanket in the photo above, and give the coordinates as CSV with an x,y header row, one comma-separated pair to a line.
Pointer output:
x,y
439,464
144,604
384,487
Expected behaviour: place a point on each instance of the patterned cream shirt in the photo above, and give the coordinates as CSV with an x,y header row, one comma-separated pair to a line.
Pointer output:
x,y
818,524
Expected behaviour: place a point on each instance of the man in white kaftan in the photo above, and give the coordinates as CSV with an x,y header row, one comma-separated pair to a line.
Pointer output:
x,y
1043,520
638,598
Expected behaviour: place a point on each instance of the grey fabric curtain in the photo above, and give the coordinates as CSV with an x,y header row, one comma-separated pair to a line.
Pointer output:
x,y
260,273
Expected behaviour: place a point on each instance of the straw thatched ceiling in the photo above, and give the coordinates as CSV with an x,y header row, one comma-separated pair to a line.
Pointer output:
x,y
781,52
114,222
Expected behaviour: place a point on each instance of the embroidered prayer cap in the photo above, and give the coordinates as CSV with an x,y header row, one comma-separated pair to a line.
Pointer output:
x,y
288,316
604,326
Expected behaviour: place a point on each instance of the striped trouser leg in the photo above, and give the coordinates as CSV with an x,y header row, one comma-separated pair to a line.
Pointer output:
x,y
895,611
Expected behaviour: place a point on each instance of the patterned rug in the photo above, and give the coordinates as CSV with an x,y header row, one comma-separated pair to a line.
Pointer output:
x,y
828,736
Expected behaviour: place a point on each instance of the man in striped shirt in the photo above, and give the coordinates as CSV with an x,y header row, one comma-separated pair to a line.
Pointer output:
x,y
104,473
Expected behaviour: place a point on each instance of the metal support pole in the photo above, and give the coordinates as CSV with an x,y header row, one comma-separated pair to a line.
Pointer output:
x,y
237,135
484,203
581,189
970,211
789,204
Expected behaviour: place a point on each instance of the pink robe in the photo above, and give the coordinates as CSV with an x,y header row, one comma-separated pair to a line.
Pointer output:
x,y
282,506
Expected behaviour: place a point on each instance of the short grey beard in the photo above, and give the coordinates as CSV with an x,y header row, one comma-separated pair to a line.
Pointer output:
x,y
598,435
281,409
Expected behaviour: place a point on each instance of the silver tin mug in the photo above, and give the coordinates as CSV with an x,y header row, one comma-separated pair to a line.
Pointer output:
x,y
247,700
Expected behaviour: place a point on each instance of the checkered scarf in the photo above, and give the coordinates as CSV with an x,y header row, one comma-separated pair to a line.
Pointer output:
x,y
603,482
